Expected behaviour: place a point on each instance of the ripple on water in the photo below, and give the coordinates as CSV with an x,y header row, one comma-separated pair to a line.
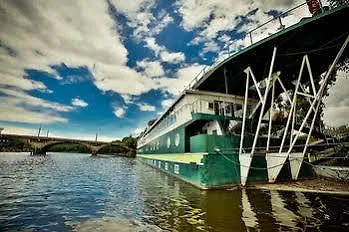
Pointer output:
x,y
111,224
64,192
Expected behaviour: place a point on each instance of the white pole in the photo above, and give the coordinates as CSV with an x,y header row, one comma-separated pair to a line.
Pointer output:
x,y
292,105
257,88
263,105
244,113
311,128
270,111
285,91
320,92
310,75
293,121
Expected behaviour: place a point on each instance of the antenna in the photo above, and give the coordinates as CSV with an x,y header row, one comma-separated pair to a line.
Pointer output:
x,y
96,137
39,131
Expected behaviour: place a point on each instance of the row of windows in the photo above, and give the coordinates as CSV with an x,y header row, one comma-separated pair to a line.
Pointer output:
x,y
156,145
158,164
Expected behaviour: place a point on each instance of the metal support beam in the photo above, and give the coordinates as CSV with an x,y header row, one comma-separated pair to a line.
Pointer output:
x,y
244,158
295,165
263,103
270,113
319,94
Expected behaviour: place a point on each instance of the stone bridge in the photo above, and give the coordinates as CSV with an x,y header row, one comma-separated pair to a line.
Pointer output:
x,y
40,145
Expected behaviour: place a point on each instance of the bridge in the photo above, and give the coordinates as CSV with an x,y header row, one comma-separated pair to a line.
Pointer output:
x,y
40,145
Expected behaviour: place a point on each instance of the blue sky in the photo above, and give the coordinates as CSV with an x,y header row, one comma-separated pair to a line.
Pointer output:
x,y
81,67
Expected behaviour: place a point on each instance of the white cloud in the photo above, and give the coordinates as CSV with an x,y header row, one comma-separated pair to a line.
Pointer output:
x,y
336,112
151,68
167,103
119,111
182,79
146,107
18,97
165,56
19,130
78,34
57,134
79,102
18,106
146,27
164,21
11,112
195,14
138,14
128,99
172,57
209,47
211,17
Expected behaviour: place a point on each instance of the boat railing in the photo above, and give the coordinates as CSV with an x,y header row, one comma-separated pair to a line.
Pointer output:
x,y
182,115
276,24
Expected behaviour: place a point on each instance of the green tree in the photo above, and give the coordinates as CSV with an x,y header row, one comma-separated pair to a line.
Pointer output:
x,y
130,142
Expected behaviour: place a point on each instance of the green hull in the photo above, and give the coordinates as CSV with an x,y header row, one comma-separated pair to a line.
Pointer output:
x,y
215,170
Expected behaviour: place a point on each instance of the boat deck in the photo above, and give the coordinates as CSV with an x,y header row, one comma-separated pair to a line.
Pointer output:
x,y
176,157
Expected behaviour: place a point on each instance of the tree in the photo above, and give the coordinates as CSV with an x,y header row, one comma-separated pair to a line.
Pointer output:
x,y
130,142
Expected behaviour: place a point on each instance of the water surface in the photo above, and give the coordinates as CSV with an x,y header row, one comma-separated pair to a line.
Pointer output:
x,y
64,192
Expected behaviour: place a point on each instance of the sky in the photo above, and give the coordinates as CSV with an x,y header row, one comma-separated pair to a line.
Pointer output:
x,y
77,68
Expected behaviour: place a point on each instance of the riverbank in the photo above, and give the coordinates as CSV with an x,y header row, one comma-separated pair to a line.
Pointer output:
x,y
318,185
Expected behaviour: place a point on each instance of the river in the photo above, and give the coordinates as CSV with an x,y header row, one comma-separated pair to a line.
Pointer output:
x,y
64,192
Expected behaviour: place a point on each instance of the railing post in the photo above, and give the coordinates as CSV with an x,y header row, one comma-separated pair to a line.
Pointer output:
x,y
281,25
250,33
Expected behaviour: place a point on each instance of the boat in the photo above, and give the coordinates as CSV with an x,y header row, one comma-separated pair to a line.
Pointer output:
x,y
218,133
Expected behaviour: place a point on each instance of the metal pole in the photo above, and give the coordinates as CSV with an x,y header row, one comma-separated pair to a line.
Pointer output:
x,y
244,113
285,91
264,99
310,75
39,131
47,133
257,89
251,37
322,87
226,80
270,111
226,89
293,121
311,127
292,105
281,25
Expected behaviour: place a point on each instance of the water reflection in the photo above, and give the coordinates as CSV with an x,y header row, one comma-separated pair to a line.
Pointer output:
x,y
249,217
177,206
64,191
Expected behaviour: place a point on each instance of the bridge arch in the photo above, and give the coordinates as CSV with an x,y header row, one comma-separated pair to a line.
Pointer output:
x,y
40,148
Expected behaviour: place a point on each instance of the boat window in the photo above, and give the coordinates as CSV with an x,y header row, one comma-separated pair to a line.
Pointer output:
x,y
168,142
177,140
